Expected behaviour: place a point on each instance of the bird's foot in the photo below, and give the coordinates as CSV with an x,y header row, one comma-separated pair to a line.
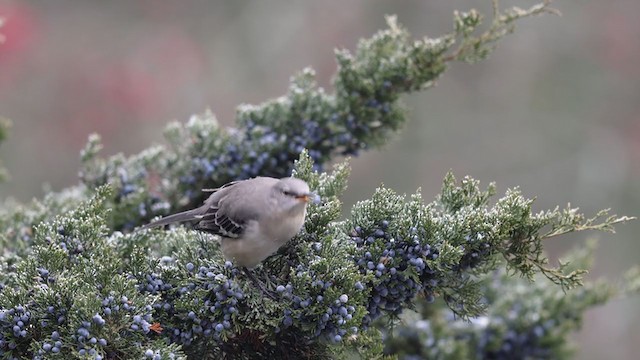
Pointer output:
x,y
270,294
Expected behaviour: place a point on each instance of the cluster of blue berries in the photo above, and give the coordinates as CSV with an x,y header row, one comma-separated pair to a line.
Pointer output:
x,y
153,283
127,186
141,318
44,276
399,266
14,329
142,322
525,344
150,206
55,315
87,338
69,244
214,310
111,305
263,150
332,323
349,140
54,345
256,151
485,337
234,163
476,250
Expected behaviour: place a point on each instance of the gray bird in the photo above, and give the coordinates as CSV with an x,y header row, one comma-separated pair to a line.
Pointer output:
x,y
253,217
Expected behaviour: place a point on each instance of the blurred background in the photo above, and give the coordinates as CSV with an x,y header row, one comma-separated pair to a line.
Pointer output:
x,y
554,110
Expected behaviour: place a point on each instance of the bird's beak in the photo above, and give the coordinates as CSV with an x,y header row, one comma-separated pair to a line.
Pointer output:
x,y
305,197
309,197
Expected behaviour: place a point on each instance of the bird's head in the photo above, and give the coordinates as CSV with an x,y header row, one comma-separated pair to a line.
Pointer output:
x,y
293,193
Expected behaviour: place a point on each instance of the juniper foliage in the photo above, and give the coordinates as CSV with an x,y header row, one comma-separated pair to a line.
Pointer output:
x,y
77,282
530,321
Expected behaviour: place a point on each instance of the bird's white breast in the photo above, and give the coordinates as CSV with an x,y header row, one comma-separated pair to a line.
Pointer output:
x,y
261,239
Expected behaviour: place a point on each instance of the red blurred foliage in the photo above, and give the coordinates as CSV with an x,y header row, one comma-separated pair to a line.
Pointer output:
x,y
99,88
619,42
139,85
20,32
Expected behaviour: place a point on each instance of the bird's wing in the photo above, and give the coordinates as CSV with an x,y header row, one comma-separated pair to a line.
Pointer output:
x,y
179,217
229,212
197,213
221,187
216,222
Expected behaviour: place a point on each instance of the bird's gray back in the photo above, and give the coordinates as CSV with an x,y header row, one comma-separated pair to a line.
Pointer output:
x,y
238,200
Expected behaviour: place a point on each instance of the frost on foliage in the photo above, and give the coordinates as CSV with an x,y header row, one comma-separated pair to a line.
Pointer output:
x,y
86,291
72,295
440,248
530,320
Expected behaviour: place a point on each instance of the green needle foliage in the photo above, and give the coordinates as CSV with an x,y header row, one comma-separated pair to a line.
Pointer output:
x,y
79,281
530,320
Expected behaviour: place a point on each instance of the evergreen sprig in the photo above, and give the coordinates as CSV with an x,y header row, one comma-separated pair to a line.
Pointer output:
x,y
530,320
475,47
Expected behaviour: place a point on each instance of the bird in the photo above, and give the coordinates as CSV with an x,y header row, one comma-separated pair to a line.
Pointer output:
x,y
253,217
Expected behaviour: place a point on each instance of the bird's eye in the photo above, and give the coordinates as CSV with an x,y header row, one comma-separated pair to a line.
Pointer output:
x,y
288,193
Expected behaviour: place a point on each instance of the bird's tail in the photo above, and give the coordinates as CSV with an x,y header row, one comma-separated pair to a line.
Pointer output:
x,y
179,217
